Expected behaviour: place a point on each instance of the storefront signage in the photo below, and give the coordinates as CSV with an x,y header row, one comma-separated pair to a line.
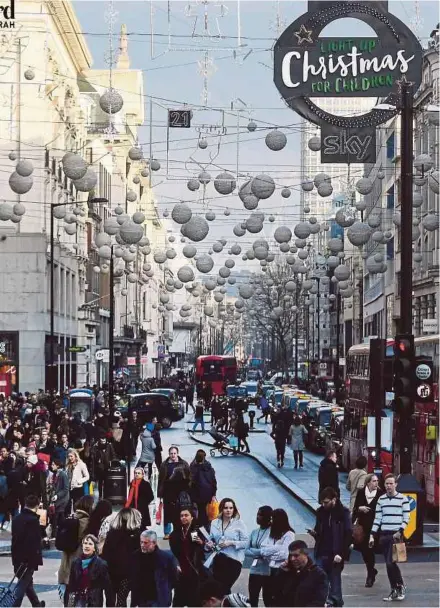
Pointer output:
x,y
307,65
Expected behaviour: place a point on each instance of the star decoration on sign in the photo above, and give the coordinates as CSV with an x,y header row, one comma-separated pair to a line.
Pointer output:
x,y
304,35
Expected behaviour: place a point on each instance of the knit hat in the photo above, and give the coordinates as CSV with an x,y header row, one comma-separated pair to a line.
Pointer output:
x,y
237,599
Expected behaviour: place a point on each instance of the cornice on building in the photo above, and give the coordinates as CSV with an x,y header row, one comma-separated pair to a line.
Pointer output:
x,y
70,29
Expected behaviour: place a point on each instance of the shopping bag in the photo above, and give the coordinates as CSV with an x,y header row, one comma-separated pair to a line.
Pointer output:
x,y
42,514
159,513
91,488
8,594
212,509
399,552
358,534
86,488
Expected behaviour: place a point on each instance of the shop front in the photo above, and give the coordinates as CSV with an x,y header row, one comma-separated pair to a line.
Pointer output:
x,y
9,362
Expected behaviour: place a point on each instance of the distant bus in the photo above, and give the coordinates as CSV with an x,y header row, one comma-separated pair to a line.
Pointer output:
x,y
217,370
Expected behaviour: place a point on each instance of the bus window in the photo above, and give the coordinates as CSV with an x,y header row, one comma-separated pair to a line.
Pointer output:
x,y
212,370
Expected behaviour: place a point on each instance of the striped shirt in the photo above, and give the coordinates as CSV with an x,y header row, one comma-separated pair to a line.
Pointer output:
x,y
392,513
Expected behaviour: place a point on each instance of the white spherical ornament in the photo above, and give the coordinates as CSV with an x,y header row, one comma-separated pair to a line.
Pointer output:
x,y
235,249
224,272
128,256
29,74
238,230
121,219
302,230
154,165
374,267
217,247
87,182
130,232
249,200
260,253
96,269
359,234
423,163
204,263
59,212
77,210
105,252
307,185
160,256
303,254
210,216
102,239
193,184
320,178
381,174
225,183
218,297
433,181
138,217
377,236
227,212
132,277
171,254
374,220
262,186
282,234
210,284
135,153
276,140
325,189
364,185
314,143
271,218
203,144
430,222
254,223
181,213
245,291
417,199
397,219
335,245
6,211
361,205
111,101
378,257
417,257
70,229
19,209
306,209
315,228
20,184
69,218
144,172
229,263
131,196
146,267
252,126
185,274
119,210
204,178
420,180
208,310
196,229
12,156
341,272
344,218
136,180
164,298
285,193
300,243
24,168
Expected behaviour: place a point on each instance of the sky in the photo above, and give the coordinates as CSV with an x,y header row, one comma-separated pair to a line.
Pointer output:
x,y
241,78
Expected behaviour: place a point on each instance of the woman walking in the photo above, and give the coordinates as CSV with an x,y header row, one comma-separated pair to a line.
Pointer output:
x,y
140,496
276,548
121,542
364,510
356,479
203,485
229,536
147,456
166,488
78,475
89,578
101,511
296,434
187,547
279,436
259,575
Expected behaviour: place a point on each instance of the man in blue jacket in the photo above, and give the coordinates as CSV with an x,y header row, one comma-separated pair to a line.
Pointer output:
x,y
153,573
333,536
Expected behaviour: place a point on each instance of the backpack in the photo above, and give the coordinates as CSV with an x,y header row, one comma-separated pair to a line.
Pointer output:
x,y
67,535
184,501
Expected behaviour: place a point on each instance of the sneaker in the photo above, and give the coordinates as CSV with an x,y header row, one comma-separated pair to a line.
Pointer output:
x,y
400,593
391,597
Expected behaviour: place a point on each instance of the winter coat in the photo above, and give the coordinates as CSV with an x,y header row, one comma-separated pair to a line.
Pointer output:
x,y
118,548
296,434
355,482
60,452
68,558
340,524
163,475
204,483
101,457
35,483
365,519
60,488
241,429
145,497
26,540
148,447
306,587
99,583
196,555
328,475
78,475
165,575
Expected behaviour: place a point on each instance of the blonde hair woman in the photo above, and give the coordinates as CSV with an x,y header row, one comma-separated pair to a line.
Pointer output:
x,y
78,475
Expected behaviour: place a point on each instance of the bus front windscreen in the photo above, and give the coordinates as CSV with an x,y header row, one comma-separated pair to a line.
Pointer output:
x,y
212,371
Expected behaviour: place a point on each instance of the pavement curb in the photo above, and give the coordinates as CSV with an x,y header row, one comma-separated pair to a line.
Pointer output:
x,y
279,478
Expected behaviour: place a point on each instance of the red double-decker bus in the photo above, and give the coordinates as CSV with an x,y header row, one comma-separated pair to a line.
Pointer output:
x,y
216,370
425,456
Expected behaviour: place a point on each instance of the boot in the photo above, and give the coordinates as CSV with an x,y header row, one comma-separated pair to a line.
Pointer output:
x,y
371,577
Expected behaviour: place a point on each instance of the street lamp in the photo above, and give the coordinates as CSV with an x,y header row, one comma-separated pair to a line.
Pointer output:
x,y
317,279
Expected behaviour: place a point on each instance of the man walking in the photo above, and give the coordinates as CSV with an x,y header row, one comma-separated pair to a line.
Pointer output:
x,y
26,550
328,473
390,521
154,573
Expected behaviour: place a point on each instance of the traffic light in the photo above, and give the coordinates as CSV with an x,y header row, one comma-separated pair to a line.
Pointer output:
x,y
404,358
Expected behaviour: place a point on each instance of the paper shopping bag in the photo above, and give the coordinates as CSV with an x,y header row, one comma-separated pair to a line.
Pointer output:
x,y
399,552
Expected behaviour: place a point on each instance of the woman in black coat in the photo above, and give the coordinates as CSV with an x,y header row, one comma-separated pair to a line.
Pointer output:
x,y
363,513
121,542
89,578
187,546
203,485
140,496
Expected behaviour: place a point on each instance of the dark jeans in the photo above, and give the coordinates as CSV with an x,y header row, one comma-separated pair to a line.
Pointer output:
x,y
333,572
226,571
25,586
158,459
258,582
75,495
281,450
297,453
386,542
56,520
368,557
202,517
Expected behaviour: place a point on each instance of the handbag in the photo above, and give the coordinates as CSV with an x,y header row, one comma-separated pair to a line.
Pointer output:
x,y
159,513
212,509
8,594
399,553
358,533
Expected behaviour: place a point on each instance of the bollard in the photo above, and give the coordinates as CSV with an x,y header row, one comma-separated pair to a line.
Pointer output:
x,y
251,418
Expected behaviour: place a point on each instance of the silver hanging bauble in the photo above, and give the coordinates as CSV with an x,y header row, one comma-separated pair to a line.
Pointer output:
x,y
204,263
360,205
307,185
374,267
276,140
29,74
374,220
302,230
381,174
138,217
344,218
285,193
254,223
364,185
12,156
342,272
260,253
202,143
210,215
300,243
136,180
314,143
105,251
20,184
217,247
227,212
224,272
303,254
315,228
225,183
282,234
238,230
131,196
306,209
397,218
208,310
135,153
154,165
87,182
111,101
130,232
229,263
245,291
6,211
359,234
121,219
420,180
249,200
171,253
196,229
378,236
418,257
102,238
132,277
335,245
74,166
193,184
181,213
160,256
235,249
144,172
60,213
252,126
430,222
271,218
433,181
70,229
24,168
417,199
19,209
423,163
119,210
320,178
204,178
325,189
185,274
262,186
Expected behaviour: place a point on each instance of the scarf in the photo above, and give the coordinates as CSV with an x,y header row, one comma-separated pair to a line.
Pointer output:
x,y
370,495
134,492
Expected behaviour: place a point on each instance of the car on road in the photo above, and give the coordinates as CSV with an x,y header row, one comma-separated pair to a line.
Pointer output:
x,y
168,392
148,405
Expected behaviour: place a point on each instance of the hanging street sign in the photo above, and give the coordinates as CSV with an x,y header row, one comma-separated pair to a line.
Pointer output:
x,y
180,119
76,349
348,145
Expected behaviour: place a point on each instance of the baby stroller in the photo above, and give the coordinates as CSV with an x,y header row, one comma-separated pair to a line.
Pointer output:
x,y
221,442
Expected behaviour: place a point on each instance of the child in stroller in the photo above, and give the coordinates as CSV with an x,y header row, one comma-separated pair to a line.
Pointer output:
x,y
221,441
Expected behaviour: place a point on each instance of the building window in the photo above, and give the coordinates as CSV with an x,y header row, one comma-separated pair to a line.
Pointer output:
x,y
391,149
390,198
390,249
